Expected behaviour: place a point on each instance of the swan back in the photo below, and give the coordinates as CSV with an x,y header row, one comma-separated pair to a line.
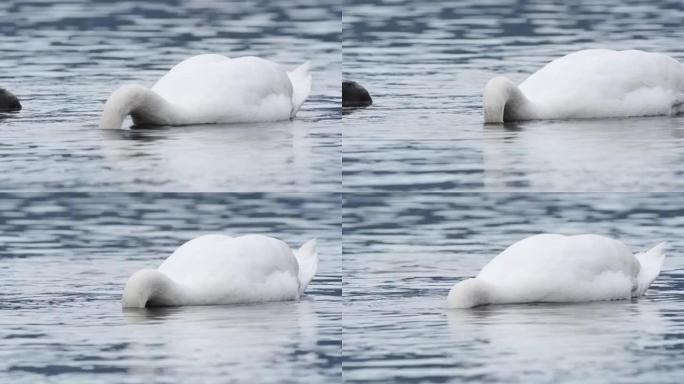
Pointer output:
x,y
219,268
217,255
606,83
214,88
552,267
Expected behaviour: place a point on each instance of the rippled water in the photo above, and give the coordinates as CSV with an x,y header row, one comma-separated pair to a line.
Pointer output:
x,y
63,58
425,63
402,254
64,260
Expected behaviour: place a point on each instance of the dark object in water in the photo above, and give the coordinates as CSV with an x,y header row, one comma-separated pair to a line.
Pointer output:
x,y
8,102
354,95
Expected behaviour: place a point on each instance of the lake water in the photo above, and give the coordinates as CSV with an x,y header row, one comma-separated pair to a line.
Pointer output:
x,y
63,58
403,252
426,63
378,309
64,260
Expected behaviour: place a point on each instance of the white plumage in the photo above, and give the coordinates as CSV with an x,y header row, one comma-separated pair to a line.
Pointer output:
x,y
592,83
218,269
211,88
557,268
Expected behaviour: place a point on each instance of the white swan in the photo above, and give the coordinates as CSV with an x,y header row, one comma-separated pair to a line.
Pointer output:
x,y
557,268
219,269
592,83
211,88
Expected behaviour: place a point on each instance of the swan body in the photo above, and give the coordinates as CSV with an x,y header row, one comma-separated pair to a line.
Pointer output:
x,y
557,268
592,83
211,88
219,269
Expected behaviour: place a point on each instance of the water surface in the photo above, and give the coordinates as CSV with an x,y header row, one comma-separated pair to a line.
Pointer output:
x,y
63,58
425,64
64,260
402,254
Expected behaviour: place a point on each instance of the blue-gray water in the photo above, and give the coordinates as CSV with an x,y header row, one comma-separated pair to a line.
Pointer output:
x,y
63,58
403,252
64,260
425,63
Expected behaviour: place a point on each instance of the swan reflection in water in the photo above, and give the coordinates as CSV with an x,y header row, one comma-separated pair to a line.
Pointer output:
x,y
244,336
526,340
584,155
235,157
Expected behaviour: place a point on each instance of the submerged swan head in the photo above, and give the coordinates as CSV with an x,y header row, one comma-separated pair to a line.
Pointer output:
x,y
469,293
144,105
503,101
150,288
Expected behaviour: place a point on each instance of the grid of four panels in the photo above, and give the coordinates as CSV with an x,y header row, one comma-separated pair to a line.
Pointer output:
x,y
362,191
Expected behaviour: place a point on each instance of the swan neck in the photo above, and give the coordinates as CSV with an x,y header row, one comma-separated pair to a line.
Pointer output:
x,y
470,293
142,104
503,101
151,288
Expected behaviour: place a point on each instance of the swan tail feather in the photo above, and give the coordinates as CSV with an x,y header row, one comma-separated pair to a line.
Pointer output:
x,y
301,86
307,258
650,264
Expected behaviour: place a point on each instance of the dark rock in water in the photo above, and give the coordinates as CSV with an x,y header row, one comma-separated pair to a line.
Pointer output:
x,y
8,102
354,95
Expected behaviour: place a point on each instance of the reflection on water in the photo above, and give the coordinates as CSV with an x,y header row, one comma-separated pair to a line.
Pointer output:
x,y
66,257
524,346
585,155
402,254
215,157
64,58
425,63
